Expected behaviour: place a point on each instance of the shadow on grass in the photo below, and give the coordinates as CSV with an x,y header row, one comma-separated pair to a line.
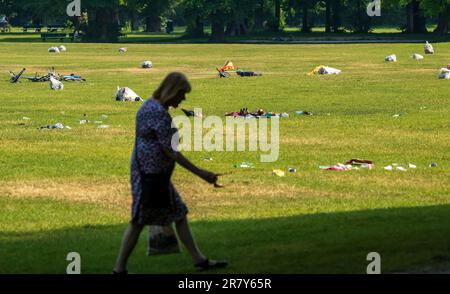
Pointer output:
x,y
408,239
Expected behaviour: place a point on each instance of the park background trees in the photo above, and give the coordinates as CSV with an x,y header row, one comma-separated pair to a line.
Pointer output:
x,y
103,20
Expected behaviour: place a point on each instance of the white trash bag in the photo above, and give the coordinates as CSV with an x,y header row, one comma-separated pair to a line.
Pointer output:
x,y
122,50
444,74
62,48
428,48
55,84
326,70
126,94
391,58
53,50
417,56
147,64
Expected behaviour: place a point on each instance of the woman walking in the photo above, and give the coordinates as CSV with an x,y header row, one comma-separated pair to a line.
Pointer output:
x,y
155,199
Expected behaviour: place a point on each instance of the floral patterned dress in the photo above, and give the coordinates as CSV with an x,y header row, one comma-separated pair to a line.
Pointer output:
x,y
155,199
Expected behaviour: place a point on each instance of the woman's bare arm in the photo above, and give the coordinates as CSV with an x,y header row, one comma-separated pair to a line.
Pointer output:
x,y
184,162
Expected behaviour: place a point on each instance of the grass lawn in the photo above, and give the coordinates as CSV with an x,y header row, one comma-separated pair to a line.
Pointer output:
x,y
68,190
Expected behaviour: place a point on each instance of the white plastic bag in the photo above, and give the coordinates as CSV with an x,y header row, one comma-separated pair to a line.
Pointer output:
x,y
417,56
391,58
53,50
62,48
55,84
444,74
122,50
428,48
126,94
147,64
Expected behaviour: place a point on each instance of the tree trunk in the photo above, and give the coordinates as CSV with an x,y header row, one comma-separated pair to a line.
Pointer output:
x,y
196,29
305,25
443,21
259,16
415,19
103,25
134,21
327,16
217,30
335,16
277,15
153,23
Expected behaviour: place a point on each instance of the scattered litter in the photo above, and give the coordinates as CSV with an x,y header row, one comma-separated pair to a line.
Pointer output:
x,y
126,94
244,165
396,115
391,58
207,158
284,115
422,107
55,84
191,113
278,172
26,118
62,48
104,116
292,170
433,164
122,50
400,166
428,48
16,77
444,74
246,73
301,112
338,166
260,113
67,127
55,126
53,50
324,70
361,163
147,64
83,121
417,56
71,78
103,126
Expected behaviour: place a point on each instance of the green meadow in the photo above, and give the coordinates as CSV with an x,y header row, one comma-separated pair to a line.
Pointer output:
x,y
68,190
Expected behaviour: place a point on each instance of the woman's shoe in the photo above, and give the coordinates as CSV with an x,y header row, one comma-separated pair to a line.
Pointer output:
x,y
210,264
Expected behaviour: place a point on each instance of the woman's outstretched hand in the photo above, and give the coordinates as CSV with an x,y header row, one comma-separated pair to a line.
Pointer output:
x,y
209,177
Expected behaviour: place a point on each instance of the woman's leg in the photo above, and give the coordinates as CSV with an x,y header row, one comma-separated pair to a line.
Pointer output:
x,y
185,235
130,238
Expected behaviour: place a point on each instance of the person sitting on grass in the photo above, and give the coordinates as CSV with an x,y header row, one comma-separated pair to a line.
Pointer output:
x,y
155,199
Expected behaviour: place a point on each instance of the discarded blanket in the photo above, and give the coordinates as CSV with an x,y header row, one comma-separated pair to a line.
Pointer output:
x,y
324,70
351,164
126,94
260,113
243,73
